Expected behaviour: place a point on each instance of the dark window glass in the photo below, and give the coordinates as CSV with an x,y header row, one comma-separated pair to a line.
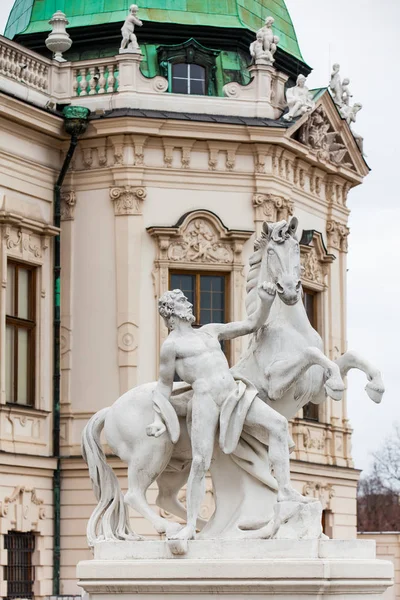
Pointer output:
x,y
19,572
20,334
309,300
188,79
311,412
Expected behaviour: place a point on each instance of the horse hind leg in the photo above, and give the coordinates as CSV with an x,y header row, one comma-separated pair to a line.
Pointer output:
x,y
169,485
140,477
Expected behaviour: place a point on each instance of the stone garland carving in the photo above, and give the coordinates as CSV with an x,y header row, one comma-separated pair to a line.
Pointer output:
x,y
87,157
272,208
68,203
102,156
128,200
314,439
337,235
22,242
317,133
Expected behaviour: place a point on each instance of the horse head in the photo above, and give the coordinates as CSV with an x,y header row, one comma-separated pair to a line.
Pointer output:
x,y
281,259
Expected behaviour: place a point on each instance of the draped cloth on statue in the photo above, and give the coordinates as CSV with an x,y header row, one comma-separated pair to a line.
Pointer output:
x,y
235,438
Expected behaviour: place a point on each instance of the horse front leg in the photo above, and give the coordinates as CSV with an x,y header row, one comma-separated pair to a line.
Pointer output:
x,y
284,373
351,360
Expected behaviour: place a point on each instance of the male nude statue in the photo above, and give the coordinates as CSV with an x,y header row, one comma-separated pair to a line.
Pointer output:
x,y
196,356
129,40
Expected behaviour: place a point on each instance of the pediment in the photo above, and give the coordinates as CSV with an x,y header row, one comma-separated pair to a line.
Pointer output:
x,y
328,138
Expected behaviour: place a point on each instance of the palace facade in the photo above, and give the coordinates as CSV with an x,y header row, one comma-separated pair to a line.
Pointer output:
x,y
163,182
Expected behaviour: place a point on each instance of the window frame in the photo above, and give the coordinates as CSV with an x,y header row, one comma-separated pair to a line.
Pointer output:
x,y
188,80
29,325
227,287
22,562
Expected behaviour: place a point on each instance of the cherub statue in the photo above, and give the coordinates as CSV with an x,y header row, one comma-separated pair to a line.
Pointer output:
x,y
196,356
129,41
299,99
265,45
346,92
336,85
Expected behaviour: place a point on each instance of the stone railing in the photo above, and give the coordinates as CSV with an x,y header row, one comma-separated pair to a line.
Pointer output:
x,y
46,83
89,79
24,66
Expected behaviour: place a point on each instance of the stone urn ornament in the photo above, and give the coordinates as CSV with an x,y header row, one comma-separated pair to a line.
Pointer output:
x,y
58,40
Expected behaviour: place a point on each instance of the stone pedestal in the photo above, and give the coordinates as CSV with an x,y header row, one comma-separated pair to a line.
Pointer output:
x,y
279,569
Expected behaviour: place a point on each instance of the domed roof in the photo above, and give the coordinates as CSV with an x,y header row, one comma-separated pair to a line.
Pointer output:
x,y
32,16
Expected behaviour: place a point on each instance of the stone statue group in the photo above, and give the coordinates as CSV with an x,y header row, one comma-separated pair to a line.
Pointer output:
x,y
232,422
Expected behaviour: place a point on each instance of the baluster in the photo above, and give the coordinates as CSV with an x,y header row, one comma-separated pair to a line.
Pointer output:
x,y
75,85
7,64
12,64
102,80
2,58
92,81
110,79
45,72
28,74
84,83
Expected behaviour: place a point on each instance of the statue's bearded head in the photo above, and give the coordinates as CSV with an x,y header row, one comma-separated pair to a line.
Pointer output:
x,y
174,305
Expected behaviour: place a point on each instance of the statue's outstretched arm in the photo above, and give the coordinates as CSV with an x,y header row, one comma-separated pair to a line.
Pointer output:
x,y
137,21
229,331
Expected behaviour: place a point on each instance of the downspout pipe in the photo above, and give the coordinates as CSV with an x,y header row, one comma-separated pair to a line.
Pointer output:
x,y
75,123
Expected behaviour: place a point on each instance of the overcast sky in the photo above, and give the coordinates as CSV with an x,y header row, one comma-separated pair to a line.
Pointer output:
x,y
366,43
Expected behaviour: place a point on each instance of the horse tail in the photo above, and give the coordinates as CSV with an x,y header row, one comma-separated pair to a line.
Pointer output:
x,y
110,519
253,276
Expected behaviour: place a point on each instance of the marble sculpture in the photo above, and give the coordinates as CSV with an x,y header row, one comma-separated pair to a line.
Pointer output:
x,y
341,95
129,41
165,431
264,47
299,99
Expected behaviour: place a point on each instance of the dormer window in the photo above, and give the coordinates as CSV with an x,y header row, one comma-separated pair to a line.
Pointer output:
x,y
188,79
190,68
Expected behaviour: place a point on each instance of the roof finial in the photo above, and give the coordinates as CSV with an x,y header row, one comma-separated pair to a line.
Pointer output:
x,y
58,40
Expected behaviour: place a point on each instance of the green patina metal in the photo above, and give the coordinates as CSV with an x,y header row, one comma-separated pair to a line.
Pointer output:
x,y
32,16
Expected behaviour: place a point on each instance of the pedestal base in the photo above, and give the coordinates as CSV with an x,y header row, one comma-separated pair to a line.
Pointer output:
x,y
281,569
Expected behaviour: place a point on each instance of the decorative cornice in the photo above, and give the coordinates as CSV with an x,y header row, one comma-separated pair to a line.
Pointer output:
x,y
128,200
337,235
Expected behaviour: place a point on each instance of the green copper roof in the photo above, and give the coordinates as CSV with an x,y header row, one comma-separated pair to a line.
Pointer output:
x,y
32,16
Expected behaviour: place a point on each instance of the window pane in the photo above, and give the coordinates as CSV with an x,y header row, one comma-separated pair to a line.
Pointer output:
x,y
23,293
10,302
311,412
23,366
309,305
197,72
205,300
197,87
186,283
180,70
205,316
10,333
180,86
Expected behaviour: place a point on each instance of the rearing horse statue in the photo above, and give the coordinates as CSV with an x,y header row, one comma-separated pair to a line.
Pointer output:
x,y
284,361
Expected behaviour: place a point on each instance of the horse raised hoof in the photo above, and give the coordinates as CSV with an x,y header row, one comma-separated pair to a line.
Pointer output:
x,y
375,391
334,388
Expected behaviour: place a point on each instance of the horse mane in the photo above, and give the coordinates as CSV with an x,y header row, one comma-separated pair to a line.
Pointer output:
x,y
278,232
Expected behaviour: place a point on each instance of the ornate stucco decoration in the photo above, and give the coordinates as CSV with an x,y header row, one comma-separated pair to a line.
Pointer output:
x,y
26,239
315,259
128,200
199,240
337,235
68,203
22,511
327,144
324,492
272,208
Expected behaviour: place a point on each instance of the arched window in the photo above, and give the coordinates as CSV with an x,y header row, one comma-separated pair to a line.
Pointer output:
x,y
188,79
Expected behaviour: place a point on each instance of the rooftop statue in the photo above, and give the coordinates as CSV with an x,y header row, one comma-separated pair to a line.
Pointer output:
x,y
129,41
299,99
164,431
264,47
341,95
